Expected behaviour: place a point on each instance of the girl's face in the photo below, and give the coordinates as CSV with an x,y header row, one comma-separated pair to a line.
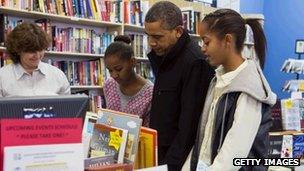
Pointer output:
x,y
213,47
120,70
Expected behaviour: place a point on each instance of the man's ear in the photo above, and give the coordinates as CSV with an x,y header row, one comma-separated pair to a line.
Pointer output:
x,y
179,31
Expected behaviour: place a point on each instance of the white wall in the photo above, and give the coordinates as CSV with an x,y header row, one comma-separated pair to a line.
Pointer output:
x,y
232,4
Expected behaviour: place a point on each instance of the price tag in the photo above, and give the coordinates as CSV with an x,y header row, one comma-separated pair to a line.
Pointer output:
x,y
288,104
115,139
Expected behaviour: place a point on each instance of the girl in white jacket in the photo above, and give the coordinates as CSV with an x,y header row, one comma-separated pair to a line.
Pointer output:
x,y
235,121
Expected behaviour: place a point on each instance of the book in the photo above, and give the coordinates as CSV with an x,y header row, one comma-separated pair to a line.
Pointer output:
x,y
276,114
287,146
113,167
98,161
89,121
147,149
275,146
44,157
87,131
132,123
108,141
291,114
298,146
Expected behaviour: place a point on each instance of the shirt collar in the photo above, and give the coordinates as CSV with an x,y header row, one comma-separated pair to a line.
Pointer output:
x,y
20,71
223,78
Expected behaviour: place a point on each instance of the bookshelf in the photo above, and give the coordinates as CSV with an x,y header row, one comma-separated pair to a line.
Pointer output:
x,y
134,28
124,24
285,133
57,18
86,87
66,54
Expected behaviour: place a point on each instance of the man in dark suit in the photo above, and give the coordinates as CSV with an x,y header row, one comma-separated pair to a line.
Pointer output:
x,y
182,78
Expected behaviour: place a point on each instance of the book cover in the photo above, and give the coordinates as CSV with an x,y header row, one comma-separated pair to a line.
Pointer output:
x,y
147,149
108,141
275,146
298,146
287,146
276,114
89,121
132,123
113,167
290,114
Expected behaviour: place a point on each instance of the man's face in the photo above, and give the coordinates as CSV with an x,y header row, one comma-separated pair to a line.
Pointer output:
x,y
161,40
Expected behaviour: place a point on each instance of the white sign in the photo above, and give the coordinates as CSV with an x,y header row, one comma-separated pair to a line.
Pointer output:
x,y
63,157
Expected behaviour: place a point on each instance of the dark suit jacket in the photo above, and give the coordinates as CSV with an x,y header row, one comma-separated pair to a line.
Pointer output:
x,y
181,81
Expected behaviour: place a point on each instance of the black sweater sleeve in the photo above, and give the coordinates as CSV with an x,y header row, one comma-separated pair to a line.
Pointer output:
x,y
195,85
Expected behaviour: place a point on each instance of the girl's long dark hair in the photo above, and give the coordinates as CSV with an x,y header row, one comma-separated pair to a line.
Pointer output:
x,y
227,21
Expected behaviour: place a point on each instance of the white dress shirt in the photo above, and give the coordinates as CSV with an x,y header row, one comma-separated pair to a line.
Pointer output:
x,y
45,80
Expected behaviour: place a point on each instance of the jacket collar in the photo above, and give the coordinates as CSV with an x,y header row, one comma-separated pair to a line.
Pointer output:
x,y
20,71
173,53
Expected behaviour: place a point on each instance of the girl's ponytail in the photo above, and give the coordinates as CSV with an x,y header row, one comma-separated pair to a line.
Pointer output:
x,y
260,43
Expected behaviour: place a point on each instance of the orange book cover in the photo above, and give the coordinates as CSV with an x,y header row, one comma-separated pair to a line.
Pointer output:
x,y
147,150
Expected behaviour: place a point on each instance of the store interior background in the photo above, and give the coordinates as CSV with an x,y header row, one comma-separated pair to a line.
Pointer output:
x,y
283,25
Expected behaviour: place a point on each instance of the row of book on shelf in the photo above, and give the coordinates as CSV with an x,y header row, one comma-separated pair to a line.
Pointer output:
x,y
86,72
79,40
100,10
191,20
290,145
108,140
75,39
115,11
64,39
286,136
288,115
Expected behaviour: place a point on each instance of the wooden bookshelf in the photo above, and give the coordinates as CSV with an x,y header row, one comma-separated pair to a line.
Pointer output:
x,y
74,54
286,133
133,28
66,54
86,87
58,18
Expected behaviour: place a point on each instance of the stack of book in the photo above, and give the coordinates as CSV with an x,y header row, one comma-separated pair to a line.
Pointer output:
x,y
117,139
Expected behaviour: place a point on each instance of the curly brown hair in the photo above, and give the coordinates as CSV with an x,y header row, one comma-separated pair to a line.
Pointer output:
x,y
26,37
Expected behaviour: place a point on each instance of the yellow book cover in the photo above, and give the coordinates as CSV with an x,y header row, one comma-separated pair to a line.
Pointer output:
x,y
147,153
